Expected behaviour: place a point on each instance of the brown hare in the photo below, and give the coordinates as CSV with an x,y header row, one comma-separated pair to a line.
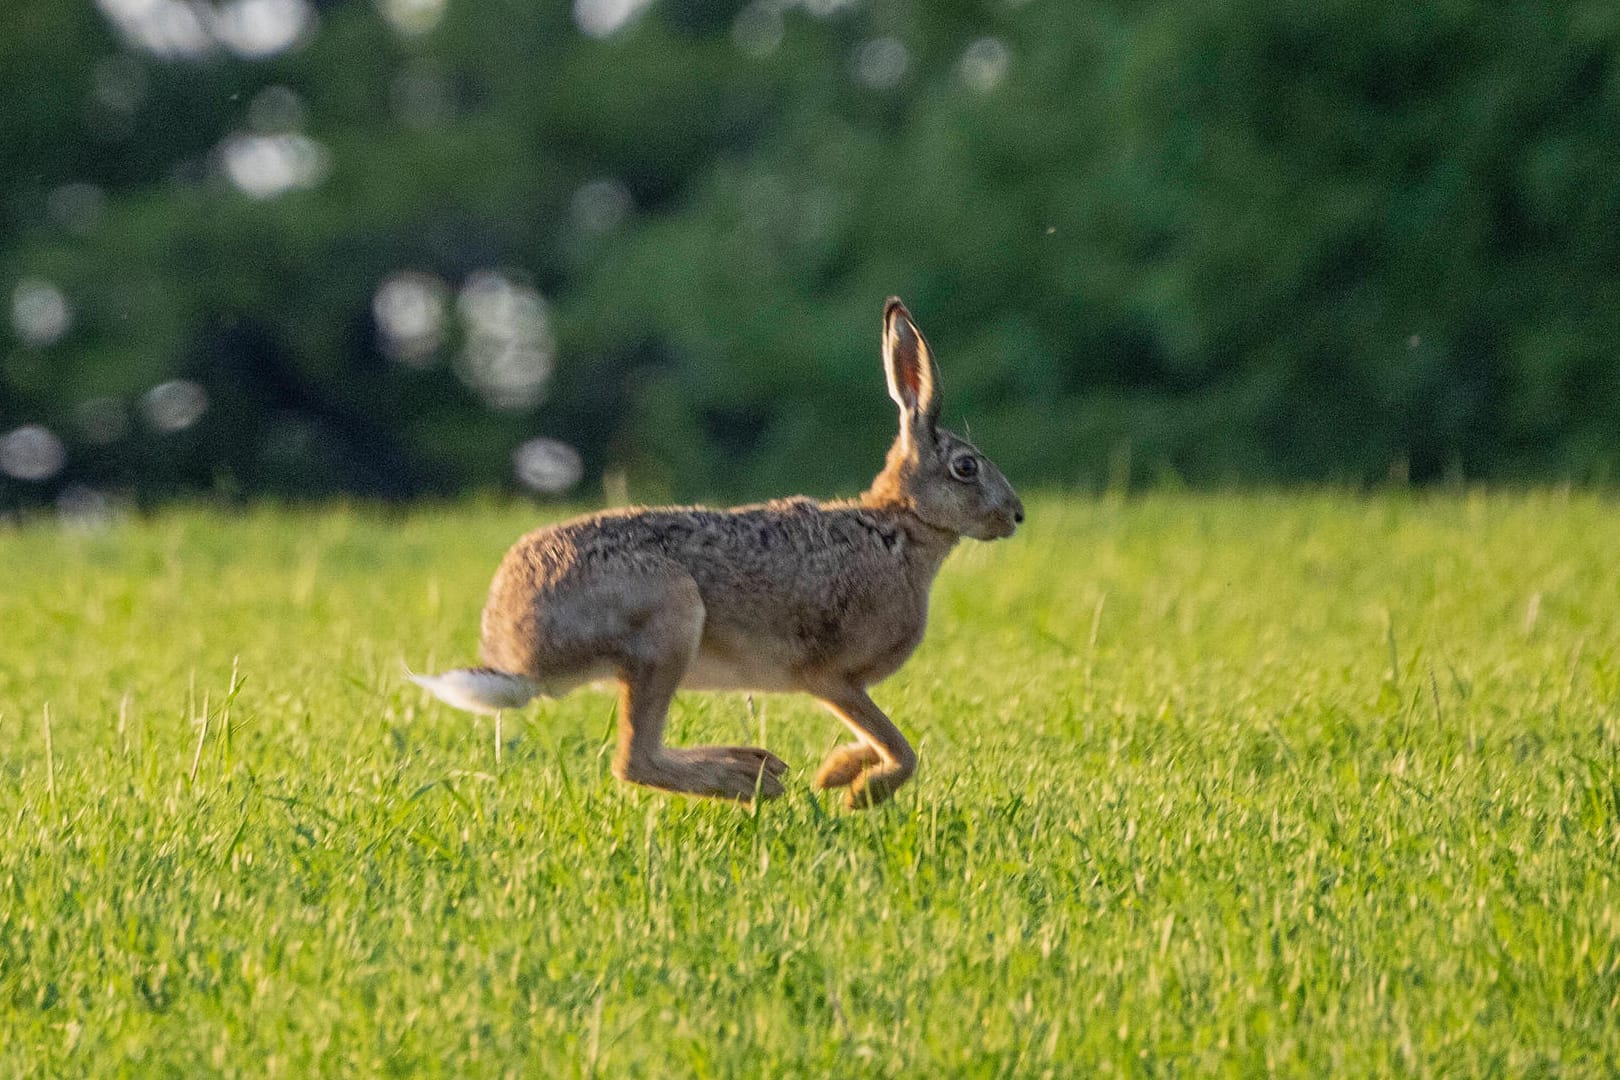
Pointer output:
x,y
823,597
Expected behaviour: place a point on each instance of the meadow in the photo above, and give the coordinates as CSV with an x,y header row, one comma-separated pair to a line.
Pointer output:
x,y
1296,784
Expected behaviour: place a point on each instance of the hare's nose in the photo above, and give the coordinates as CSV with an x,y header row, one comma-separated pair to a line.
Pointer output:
x,y
1018,516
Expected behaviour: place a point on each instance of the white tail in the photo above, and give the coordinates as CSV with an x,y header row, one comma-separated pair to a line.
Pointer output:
x,y
480,690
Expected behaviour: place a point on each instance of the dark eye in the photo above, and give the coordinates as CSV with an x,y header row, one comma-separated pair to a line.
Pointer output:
x,y
964,466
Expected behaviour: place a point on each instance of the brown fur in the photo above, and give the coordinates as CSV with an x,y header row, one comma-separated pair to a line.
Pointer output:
x,y
827,598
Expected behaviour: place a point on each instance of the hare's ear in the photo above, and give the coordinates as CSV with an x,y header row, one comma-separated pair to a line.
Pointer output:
x,y
909,365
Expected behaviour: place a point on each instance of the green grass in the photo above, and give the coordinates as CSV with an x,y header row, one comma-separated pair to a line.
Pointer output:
x,y
1294,785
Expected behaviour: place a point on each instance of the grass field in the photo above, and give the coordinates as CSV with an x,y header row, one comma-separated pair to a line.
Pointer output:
x,y
1243,785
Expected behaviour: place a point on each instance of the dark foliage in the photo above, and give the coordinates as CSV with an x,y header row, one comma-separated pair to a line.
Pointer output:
x,y
1230,240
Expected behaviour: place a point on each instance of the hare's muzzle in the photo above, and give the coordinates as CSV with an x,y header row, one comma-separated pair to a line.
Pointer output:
x,y
1004,520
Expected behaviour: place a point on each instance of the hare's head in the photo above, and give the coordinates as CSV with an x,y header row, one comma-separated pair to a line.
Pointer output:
x,y
937,474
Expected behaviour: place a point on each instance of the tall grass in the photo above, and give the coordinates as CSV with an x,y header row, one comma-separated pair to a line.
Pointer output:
x,y
1287,784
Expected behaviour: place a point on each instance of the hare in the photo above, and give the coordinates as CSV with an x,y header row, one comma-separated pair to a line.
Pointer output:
x,y
793,595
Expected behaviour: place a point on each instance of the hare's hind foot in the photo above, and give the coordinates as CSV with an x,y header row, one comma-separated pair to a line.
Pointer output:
x,y
745,770
666,613
724,772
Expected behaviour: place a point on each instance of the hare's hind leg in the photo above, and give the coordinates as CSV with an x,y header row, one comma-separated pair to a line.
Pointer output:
x,y
878,764
651,666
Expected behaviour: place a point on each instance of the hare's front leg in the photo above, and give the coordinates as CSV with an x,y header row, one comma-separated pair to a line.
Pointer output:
x,y
844,763
876,765
652,662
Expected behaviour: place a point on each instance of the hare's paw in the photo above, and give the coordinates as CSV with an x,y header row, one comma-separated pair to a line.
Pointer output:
x,y
731,772
844,764
875,786
757,758
747,776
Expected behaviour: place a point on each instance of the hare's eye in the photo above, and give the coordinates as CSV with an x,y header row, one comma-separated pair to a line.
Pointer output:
x,y
964,467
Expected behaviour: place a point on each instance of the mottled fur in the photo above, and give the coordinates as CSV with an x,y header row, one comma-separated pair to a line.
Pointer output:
x,y
821,597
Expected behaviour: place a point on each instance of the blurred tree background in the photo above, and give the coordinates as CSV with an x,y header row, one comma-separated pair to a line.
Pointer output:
x,y
294,248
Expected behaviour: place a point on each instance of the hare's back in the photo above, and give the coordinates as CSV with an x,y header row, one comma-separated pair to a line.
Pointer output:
x,y
795,591
789,590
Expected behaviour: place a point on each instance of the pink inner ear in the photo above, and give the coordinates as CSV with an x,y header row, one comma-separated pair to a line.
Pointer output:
x,y
906,359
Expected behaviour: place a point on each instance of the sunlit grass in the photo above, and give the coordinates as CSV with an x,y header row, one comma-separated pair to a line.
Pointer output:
x,y
1300,785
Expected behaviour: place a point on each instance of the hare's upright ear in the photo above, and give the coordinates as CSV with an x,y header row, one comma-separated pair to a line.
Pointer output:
x,y
909,365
